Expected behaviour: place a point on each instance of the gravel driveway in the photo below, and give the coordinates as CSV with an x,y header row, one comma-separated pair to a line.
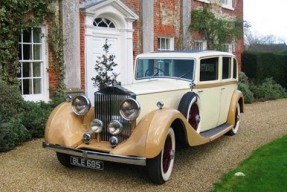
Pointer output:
x,y
32,168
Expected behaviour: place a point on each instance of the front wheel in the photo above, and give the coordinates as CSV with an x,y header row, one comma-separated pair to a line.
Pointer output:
x,y
64,159
160,167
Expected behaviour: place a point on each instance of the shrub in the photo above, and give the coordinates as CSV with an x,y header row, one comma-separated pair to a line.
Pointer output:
x,y
247,93
12,134
35,117
10,101
268,90
243,86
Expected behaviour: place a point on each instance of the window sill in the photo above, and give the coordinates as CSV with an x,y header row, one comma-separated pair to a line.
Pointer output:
x,y
204,1
228,7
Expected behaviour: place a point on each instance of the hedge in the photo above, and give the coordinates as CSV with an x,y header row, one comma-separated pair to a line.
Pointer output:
x,y
259,66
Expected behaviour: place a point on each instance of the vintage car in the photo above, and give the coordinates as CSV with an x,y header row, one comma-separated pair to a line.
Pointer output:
x,y
189,97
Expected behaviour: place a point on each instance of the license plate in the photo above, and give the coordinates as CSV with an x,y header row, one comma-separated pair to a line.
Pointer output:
x,y
87,163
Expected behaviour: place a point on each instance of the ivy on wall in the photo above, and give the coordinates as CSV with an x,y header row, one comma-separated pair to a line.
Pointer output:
x,y
16,16
216,29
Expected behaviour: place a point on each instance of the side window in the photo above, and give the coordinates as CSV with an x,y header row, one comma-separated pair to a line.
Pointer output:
x,y
226,68
235,69
209,69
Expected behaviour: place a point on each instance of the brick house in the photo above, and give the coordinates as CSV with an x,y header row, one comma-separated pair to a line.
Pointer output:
x,y
130,26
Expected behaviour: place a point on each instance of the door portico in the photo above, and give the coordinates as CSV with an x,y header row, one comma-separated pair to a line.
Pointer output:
x,y
109,20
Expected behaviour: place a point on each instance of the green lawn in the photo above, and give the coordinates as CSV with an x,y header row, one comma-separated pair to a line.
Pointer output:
x,y
265,171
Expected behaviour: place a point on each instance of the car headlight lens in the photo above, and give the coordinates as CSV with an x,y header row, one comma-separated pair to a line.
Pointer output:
x,y
96,126
130,109
81,105
115,127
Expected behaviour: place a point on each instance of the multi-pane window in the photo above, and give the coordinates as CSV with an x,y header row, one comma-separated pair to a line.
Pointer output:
x,y
104,22
165,44
31,60
227,4
228,47
200,45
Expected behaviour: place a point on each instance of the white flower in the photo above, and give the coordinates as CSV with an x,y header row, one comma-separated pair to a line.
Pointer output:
x,y
239,174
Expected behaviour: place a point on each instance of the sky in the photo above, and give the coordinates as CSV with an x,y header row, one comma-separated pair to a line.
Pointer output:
x,y
267,17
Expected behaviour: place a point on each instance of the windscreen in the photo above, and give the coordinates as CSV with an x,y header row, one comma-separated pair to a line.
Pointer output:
x,y
164,68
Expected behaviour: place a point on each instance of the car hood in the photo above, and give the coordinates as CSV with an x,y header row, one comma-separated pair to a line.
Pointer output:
x,y
157,85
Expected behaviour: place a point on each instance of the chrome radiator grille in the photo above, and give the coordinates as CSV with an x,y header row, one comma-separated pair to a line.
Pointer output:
x,y
107,108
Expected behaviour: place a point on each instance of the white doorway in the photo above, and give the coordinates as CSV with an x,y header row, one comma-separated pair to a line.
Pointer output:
x,y
111,20
94,51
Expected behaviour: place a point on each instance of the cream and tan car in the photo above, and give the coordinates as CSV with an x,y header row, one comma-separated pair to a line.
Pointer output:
x,y
186,97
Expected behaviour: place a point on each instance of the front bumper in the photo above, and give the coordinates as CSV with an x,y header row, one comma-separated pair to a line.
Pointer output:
x,y
97,155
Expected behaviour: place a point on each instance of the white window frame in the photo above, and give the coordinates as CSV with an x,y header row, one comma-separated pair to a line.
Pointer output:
x,y
228,47
228,4
43,95
200,45
166,43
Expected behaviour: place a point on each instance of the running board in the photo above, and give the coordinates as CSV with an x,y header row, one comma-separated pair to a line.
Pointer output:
x,y
217,131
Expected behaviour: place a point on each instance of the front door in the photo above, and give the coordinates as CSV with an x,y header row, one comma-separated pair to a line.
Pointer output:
x,y
94,53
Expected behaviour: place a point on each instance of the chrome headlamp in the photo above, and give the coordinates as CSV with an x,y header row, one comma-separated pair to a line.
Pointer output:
x,y
130,109
96,125
115,127
81,105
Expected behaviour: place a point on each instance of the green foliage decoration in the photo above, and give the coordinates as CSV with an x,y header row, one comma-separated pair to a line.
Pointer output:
x,y
15,16
216,30
104,68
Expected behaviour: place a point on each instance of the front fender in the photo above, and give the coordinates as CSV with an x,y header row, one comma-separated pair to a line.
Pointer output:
x,y
64,127
149,136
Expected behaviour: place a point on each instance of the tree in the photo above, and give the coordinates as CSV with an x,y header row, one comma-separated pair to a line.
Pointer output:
x,y
216,30
267,43
104,68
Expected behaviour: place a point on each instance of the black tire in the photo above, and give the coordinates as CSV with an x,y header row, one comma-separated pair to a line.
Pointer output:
x,y
189,108
64,159
235,127
160,167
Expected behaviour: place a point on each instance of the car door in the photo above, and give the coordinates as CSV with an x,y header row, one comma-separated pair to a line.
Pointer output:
x,y
228,85
208,90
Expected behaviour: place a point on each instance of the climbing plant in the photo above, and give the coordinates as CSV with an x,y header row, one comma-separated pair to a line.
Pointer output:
x,y
216,29
104,69
56,45
16,16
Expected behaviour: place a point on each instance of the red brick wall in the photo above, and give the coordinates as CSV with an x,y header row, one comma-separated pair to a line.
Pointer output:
x,y
135,5
166,20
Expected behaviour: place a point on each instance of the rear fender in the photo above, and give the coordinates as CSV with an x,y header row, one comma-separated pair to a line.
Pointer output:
x,y
237,97
65,128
